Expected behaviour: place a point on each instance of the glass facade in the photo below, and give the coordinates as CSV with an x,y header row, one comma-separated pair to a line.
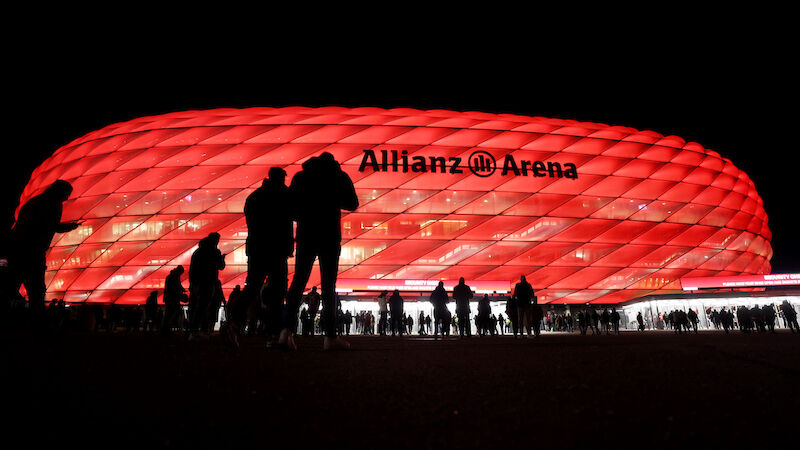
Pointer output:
x,y
639,211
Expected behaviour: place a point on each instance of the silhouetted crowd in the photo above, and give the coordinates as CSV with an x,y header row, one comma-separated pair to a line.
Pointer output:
x,y
303,220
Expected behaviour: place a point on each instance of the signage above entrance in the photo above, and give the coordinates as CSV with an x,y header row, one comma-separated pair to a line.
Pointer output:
x,y
745,281
368,284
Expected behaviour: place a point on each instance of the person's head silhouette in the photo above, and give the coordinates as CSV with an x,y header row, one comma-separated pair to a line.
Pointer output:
x,y
277,175
522,278
461,280
60,190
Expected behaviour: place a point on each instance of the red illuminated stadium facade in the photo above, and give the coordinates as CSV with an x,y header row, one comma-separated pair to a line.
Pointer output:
x,y
588,212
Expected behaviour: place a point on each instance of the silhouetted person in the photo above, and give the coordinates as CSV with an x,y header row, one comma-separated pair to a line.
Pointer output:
x,y
383,313
319,194
396,310
232,303
536,317
270,241
150,310
38,221
640,320
605,319
348,321
726,319
439,300
512,312
174,295
313,300
217,302
204,269
769,316
580,319
614,320
594,321
758,318
305,323
421,330
484,313
743,315
462,294
790,315
523,291
692,317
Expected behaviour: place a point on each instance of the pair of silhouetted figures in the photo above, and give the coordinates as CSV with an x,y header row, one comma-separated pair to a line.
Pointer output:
x,y
523,310
313,200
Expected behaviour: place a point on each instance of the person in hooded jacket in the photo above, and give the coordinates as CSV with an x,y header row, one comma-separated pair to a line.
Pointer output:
x,y
204,269
319,193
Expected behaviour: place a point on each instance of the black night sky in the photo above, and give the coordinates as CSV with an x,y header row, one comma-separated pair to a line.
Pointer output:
x,y
732,93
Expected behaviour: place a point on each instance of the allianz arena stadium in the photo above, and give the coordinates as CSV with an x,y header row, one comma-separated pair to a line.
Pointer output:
x,y
589,213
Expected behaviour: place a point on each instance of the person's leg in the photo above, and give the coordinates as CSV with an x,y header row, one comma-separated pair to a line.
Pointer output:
x,y
304,261
204,295
328,268
274,293
256,272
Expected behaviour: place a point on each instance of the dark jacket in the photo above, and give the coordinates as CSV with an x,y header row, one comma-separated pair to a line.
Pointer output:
x,y
38,221
319,194
462,294
206,263
396,303
269,220
524,293
173,289
439,298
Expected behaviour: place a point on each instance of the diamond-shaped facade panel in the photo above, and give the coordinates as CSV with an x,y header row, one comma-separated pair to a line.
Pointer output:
x,y
586,211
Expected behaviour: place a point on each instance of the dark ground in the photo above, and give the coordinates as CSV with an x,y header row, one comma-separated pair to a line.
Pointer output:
x,y
652,389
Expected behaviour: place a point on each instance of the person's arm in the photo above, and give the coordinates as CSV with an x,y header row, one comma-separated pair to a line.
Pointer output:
x,y
64,227
349,197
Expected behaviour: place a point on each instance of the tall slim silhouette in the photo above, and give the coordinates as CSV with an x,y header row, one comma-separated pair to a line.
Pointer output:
x,y
396,310
462,294
319,194
439,301
484,313
38,221
523,291
269,244
204,269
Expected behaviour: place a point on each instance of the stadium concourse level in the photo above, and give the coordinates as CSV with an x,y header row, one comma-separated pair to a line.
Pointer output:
x,y
151,318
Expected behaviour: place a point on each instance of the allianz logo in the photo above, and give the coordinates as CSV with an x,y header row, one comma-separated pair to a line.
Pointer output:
x,y
480,163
